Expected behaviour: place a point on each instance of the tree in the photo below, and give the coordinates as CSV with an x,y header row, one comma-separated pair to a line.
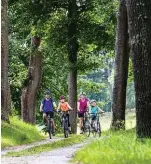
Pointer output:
x,y
72,53
28,97
5,90
121,68
139,20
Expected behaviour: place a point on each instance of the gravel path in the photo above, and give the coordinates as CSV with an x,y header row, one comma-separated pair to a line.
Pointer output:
x,y
57,156
23,147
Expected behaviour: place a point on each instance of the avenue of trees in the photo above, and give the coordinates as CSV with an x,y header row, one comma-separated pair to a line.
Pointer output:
x,y
100,47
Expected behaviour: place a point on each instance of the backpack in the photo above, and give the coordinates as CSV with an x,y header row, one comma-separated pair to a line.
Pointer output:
x,y
44,100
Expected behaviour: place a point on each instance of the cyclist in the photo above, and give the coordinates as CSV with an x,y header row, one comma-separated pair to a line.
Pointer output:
x,y
47,106
83,106
64,107
94,109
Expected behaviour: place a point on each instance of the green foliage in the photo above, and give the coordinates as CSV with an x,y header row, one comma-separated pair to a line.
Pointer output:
x,y
73,139
89,86
49,21
116,148
18,132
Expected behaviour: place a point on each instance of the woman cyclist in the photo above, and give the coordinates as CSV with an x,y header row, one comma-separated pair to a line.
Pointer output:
x,y
83,106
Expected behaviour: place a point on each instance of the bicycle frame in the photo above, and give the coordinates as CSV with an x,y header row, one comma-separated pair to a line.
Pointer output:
x,y
96,128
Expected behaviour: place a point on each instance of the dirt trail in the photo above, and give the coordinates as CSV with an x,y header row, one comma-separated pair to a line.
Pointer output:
x,y
57,156
23,147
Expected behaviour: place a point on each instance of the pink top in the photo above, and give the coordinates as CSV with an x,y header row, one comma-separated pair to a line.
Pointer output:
x,y
83,105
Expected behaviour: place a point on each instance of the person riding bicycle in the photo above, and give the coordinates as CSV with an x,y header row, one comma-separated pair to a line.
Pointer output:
x,y
83,106
64,107
94,109
47,106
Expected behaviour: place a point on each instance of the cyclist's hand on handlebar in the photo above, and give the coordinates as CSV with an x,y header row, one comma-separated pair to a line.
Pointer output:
x,y
58,110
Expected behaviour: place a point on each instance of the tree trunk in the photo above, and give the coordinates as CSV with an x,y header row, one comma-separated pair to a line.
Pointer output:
x,y
5,98
72,53
72,87
139,21
28,97
121,69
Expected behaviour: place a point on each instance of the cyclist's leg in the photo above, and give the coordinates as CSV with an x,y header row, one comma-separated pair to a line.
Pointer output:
x,y
68,120
69,123
62,118
95,122
81,116
45,118
91,121
53,124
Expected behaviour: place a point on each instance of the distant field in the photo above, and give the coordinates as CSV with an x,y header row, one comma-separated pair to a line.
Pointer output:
x,y
130,120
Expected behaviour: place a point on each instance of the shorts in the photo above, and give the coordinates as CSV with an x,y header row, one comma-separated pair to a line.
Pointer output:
x,y
93,117
80,115
51,114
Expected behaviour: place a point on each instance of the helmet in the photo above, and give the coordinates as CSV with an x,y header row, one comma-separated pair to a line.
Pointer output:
x,y
92,101
62,97
83,93
47,92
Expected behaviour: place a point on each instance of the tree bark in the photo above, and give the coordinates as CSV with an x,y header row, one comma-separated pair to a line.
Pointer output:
x,y
121,69
5,97
72,53
28,97
139,21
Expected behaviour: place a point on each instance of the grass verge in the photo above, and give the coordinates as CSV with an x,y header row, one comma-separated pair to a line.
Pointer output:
x,y
18,132
73,139
118,148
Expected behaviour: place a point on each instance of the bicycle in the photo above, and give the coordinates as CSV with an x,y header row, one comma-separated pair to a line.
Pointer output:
x,y
64,123
86,124
50,128
95,125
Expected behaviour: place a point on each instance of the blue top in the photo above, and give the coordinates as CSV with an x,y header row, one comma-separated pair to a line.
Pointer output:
x,y
94,110
47,105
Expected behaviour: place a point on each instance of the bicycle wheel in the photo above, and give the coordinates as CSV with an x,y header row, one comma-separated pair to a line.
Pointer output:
x,y
87,128
98,132
66,130
50,129
94,128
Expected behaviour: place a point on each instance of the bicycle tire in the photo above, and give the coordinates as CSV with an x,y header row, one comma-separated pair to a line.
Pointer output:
x,y
99,129
50,129
94,129
87,128
66,130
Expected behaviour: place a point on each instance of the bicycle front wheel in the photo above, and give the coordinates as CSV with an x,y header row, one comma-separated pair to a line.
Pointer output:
x,y
87,128
98,132
50,129
66,130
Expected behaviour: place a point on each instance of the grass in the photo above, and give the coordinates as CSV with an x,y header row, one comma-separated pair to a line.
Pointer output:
x,y
18,132
118,148
73,139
